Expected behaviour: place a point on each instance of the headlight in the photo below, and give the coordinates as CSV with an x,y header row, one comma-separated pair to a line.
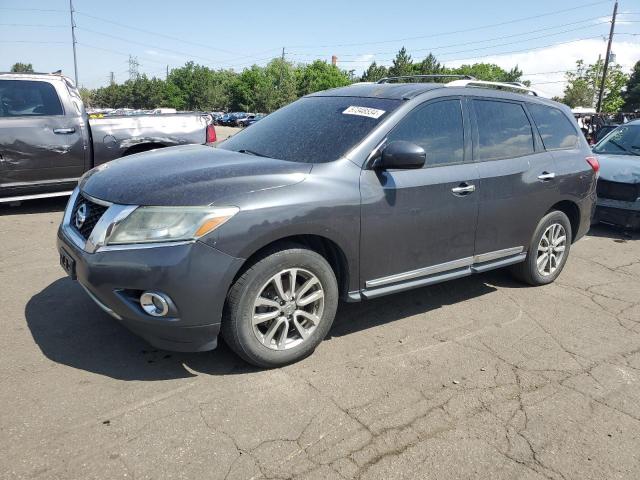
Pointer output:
x,y
169,224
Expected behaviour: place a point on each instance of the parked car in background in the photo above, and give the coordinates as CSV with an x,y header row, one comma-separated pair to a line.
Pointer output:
x,y
256,118
244,121
47,141
239,118
216,117
163,111
352,193
604,130
619,181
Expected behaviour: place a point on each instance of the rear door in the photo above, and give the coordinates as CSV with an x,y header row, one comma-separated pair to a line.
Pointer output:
x,y
40,143
416,223
517,177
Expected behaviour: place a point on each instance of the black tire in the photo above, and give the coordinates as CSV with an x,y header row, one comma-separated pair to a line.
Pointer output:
x,y
527,271
237,326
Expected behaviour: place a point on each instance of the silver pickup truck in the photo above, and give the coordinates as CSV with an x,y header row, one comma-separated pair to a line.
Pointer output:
x,y
47,141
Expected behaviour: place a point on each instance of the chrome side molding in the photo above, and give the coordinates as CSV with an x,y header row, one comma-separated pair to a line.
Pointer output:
x,y
35,196
444,267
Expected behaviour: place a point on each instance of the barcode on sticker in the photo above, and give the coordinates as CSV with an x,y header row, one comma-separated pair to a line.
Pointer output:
x,y
364,112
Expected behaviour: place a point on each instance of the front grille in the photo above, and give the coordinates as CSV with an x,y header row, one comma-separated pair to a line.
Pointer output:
x,y
628,192
93,213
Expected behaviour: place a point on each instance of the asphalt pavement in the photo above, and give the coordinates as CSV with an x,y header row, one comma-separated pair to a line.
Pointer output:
x,y
476,378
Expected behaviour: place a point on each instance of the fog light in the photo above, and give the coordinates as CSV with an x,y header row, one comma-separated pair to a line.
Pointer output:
x,y
154,304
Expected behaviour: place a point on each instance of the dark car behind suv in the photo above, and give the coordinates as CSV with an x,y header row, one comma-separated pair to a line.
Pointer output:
x,y
350,193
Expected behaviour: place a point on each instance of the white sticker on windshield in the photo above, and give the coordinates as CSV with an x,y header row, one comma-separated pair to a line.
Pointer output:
x,y
364,112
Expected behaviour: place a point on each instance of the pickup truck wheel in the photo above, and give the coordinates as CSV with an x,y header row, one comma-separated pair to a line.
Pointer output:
x,y
281,308
548,251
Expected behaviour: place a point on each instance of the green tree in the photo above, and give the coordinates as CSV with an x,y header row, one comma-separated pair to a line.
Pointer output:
x,y
87,96
22,68
632,94
319,75
583,86
429,66
374,73
488,72
402,64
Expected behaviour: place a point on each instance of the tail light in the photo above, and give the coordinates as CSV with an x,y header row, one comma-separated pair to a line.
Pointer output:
x,y
211,134
593,162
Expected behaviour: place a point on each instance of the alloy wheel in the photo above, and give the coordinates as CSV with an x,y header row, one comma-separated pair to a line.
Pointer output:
x,y
288,309
551,249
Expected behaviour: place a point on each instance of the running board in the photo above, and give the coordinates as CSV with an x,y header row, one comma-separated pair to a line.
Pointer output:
x,y
441,276
35,196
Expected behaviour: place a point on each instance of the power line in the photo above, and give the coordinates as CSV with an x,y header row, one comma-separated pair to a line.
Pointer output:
x,y
31,25
522,19
500,53
476,41
33,9
115,52
31,41
176,52
149,32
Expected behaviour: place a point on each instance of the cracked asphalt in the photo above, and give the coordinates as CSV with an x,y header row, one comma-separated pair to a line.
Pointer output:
x,y
476,378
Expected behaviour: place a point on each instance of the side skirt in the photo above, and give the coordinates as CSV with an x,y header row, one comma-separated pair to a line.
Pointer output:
x,y
479,266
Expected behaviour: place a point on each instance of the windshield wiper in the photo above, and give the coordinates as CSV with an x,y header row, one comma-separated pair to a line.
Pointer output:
x,y
621,147
251,152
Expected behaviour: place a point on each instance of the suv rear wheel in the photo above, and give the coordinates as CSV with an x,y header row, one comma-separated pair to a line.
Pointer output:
x,y
548,250
281,307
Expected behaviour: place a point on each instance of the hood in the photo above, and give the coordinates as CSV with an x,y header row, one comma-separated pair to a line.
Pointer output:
x,y
619,168
188,175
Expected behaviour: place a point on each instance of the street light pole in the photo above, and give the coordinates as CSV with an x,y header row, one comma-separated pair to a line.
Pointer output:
x,y
73,41
606,59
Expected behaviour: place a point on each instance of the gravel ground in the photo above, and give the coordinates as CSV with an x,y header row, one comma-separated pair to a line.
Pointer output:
x,y
476,378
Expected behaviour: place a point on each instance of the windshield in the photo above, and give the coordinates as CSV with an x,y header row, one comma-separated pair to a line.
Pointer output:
x,y
312,129
624,140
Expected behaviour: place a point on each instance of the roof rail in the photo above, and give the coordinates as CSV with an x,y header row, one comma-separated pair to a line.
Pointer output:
x,y
420,77
517,86
57,72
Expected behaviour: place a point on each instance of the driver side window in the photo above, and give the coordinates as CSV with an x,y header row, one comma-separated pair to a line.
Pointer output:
x,y
436,127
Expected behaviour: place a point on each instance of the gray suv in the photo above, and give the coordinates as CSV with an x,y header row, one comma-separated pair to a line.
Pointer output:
x,y
351,193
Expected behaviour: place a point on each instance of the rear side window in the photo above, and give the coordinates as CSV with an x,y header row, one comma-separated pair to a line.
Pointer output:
x,y
28,98
436,127
555,128
504,130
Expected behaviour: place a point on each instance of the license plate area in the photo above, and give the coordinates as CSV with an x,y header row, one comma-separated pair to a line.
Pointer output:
x,y
68,264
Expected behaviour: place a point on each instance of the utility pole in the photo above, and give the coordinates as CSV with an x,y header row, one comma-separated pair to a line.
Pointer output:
x,y
167,76
112,78
606,58
281,70
73,41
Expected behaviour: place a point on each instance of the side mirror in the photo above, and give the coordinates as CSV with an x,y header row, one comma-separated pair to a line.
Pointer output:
x,y
401,155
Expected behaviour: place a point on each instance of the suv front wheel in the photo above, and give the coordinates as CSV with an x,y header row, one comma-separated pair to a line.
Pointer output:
x,y
548,250
281,307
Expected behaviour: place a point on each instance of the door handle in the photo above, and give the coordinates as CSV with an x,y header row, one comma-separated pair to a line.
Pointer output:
x,y
544,176
64,131
463,189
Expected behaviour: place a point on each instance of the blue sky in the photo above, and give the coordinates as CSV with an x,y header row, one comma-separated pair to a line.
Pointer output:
x,y
236,34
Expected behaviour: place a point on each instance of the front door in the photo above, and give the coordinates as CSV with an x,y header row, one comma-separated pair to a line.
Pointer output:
x,y
39,144
416,223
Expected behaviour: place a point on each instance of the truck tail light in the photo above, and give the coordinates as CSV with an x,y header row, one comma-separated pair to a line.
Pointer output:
x,y
595,165
211,134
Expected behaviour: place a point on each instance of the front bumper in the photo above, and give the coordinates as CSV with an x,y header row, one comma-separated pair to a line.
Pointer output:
x,y
195,276
618,212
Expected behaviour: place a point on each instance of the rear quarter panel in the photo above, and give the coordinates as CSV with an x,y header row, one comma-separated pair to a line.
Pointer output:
x,y
113,136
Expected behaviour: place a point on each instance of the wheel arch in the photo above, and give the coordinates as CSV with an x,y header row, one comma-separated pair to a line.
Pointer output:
x,y
324,246
572,211
142,147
